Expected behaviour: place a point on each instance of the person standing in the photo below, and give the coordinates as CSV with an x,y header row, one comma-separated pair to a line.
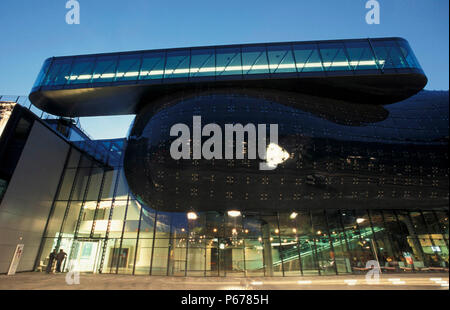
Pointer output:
x,y
59,259
51,260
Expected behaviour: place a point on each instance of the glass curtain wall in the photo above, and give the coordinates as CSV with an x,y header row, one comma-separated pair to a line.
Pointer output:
x,y
227,62
104,229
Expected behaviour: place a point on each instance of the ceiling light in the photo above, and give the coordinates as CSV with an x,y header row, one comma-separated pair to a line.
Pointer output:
x,y
234,213
192,216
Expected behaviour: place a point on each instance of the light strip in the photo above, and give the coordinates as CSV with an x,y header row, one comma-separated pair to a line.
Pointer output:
x,y
224,69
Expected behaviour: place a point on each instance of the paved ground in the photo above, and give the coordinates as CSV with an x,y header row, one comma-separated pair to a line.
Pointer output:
x,y
42,281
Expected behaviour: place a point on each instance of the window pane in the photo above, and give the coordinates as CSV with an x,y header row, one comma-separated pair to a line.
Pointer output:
x,y
118,214
177,64
163,225
281,59
132,220
306,243
147,224
105,68
128,68
361,56
122,187
228,61
388,253
202,63
101,218
408,54
356,240
42,73
87,218
273,248
159,262
80,183
67,184
72,218
307,58
143,256
82,70
196,257
59,72
126,256
152,66
177,263
339,241
54,225
289,242
324,250
333,56
254,60
412,251
95,183
389,54
111,256
109,184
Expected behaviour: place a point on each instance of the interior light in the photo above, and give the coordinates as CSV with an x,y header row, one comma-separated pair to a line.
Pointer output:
x,y
191,70
192,216
234,213
360,220
293,215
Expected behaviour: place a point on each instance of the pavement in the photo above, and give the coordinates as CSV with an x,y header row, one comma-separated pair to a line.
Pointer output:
x,y
43,281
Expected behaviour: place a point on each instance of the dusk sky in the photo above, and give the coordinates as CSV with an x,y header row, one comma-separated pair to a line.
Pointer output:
x,y
32,31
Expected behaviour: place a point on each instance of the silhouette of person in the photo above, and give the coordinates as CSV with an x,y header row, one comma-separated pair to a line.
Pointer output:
x,y
59,259
51,259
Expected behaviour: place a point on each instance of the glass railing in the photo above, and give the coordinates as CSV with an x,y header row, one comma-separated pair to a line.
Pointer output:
x,y
272,60
25,102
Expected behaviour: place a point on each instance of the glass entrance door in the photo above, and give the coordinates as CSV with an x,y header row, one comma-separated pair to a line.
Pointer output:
x,y
85,256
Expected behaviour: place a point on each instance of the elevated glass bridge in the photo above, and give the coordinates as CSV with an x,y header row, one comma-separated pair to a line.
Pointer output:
x,y
275,58
152,73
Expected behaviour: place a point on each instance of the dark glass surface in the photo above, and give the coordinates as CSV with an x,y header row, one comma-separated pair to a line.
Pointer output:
x,y
340,155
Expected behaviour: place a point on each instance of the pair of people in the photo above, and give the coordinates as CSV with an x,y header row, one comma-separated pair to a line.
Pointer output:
x,y
59,257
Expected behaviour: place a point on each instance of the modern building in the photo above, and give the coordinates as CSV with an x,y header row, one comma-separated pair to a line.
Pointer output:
x,y
357,173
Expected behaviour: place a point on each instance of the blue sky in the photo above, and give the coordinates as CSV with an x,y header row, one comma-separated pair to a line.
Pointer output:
x,y
31,31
